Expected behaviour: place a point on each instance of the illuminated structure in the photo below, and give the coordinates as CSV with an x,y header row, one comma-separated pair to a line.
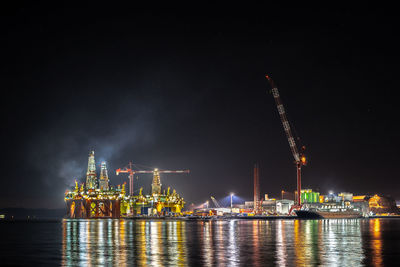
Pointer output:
x,y
157,202
154,204
308,196
156,184
91,203
103,181
379,205
105,201
91,179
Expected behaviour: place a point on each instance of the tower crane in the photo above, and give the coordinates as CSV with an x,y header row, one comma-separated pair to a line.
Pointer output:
x,y
156,184
299,158
131,172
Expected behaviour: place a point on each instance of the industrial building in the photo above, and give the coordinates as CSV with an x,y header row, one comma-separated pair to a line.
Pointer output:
x,y
308,196
271,206
378,205
369,205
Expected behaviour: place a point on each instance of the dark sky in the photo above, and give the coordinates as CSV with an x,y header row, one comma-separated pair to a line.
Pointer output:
x,y
186,90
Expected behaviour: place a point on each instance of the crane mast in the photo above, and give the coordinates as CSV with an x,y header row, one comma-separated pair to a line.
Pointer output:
x,y
131,172
299,159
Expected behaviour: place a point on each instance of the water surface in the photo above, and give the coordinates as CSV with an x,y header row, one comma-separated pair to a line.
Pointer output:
x,y
344,242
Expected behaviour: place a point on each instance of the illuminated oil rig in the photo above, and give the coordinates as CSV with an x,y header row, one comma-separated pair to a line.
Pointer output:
x,y
97,199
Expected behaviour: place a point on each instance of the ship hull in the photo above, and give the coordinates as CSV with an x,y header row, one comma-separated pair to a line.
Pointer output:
x,y
306,214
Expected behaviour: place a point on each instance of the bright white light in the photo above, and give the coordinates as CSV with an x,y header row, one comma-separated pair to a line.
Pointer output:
x,y
232,194
330,192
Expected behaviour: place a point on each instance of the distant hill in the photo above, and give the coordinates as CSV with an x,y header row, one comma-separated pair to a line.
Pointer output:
x,y
32,214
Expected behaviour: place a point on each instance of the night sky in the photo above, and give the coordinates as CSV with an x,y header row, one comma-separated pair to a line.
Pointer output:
x,y
187,90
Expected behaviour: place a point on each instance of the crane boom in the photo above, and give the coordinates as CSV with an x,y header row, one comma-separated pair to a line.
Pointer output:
x,y
299,159
180,171
284,120
156,179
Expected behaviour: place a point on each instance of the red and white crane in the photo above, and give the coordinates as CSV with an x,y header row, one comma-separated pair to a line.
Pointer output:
x,y
156,185
299,158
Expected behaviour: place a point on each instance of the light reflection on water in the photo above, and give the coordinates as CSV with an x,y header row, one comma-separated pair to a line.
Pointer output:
x,y
346,242
376,242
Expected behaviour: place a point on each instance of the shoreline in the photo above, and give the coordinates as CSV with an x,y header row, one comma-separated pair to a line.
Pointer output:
x,y
264,218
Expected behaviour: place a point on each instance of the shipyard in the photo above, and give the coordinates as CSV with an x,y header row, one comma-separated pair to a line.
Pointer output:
x,y
199,137
98,198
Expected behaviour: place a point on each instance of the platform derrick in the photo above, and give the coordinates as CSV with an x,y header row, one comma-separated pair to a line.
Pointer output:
x,y
95,200
299,158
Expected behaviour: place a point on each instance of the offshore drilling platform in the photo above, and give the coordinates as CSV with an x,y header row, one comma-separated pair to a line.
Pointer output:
x,y
98,199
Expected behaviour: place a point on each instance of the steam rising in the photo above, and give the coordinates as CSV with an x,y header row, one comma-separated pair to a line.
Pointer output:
x,y
60,155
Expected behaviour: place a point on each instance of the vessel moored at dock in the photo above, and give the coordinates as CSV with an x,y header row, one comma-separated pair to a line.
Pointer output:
x,y
330,211
317,214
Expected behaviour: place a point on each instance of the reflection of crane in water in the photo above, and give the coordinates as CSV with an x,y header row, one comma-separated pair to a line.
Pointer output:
x,y
156,184
299,158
